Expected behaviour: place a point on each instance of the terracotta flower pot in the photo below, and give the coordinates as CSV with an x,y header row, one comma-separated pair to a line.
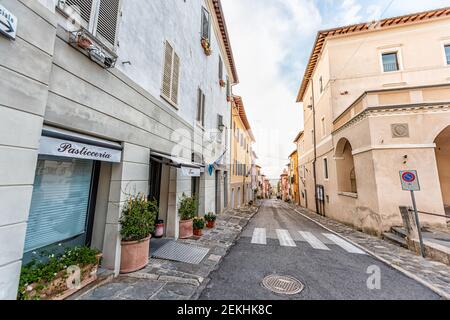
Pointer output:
x,y
135,255
186,229
198,232
210,224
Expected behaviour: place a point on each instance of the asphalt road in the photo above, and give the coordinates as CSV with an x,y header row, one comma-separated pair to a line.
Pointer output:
x,y
328,268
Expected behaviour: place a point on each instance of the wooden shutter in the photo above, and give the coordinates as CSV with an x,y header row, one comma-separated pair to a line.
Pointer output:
x,y
175,78
203,109
107,20
199,105
167,72
83,7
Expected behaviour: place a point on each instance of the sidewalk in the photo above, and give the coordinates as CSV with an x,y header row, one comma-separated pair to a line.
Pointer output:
x,y
170,280
434,275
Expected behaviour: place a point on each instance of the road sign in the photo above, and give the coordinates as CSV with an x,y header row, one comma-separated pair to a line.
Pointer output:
x,y
410,180
8,23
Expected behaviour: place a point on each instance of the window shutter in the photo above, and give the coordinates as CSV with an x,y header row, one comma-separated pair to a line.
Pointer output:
x,y
220,68
175,78
107,20
203,109
83,7
199,104
167,72
205,24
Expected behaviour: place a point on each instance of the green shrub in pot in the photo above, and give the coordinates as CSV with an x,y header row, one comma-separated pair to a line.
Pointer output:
x,y
187,208
138,218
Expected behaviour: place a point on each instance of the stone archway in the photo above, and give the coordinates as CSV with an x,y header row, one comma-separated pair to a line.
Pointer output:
x,y
345,167
442,142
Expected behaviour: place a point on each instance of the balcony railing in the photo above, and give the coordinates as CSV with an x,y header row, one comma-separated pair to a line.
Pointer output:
x,y
388,67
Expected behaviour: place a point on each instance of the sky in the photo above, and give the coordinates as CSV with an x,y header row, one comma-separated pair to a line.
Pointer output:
x,y
272,41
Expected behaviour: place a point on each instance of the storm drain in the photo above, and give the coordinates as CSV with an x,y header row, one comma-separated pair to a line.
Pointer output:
x,y
175,251
283,285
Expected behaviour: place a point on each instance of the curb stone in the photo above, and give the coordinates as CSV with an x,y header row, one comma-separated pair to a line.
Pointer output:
x,y
425,283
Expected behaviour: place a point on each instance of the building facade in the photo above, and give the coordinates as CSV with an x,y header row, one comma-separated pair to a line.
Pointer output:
x,y
95,108
293,177
241,156
376,102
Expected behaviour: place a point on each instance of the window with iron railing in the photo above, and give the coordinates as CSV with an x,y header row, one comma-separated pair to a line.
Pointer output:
x,y
390,62
447,53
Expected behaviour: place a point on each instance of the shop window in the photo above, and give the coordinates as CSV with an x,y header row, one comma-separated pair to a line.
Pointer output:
x,y
60,202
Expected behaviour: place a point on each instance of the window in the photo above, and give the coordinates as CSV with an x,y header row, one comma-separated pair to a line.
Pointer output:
x,y
321,84
220,69
447,53
99,17
205,24
325,168
201,108
390,62
171,75
322,125
228,87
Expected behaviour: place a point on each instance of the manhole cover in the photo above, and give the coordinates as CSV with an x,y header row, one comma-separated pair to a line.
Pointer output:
x,y
283,285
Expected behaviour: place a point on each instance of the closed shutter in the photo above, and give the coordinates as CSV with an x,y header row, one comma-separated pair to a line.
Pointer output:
x,y
107,20
199,105
167,76
220,68
59,205
175,78
82,7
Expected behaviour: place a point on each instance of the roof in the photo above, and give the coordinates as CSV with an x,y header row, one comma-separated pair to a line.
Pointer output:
x,y
240,105
225,37
298,136
292,154
362,27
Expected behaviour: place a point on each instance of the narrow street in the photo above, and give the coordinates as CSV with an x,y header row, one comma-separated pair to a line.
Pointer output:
x,y
279,241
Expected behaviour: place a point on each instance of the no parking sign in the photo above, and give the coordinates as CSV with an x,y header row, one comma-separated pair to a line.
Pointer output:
x,y
410,180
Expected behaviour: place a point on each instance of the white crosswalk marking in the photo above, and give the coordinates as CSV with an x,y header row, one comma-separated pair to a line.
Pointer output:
x,y
259,236
313,241
343,244
285,238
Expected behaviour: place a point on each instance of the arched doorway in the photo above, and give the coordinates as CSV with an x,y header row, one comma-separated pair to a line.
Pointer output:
x,y
443,164
345,167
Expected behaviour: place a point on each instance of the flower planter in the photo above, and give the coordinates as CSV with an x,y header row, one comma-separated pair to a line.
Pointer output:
x,y
222,83
84,42
210,224
63,285
186,229
135,255
198,232
206,47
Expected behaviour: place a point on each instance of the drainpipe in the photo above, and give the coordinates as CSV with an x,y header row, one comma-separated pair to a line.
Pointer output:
x,y
315,146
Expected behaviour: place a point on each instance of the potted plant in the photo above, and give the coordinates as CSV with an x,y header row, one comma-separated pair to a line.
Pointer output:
x,y
83,41
55,277
138,223
206,46
187,211
199,225
210,220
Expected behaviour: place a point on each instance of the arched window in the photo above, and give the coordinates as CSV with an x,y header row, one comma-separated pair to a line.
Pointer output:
x,y
345,167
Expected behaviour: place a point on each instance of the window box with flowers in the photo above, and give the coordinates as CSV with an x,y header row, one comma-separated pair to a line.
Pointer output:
x,y
222,83
206,46
56,277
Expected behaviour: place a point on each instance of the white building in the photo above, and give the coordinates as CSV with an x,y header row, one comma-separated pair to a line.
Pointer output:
x,y
124,100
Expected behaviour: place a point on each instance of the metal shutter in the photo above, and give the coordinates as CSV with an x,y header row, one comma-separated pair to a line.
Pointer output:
x,y
83,7
175,78
107,20
167,72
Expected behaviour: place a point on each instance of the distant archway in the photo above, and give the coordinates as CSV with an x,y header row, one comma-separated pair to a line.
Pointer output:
x,y
443,164
345,167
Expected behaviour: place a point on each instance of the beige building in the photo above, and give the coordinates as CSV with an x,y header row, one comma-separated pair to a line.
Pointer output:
x,y
241,156
376,101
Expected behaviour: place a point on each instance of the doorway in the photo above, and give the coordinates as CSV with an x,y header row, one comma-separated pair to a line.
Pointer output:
x,y
443,165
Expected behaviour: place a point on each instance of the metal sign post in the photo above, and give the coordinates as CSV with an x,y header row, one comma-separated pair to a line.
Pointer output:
x,y
410,182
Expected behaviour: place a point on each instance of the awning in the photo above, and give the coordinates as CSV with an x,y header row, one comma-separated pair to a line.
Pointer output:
x,y
64,143
175,161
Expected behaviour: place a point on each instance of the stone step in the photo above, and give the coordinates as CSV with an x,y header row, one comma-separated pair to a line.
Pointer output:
x,y
399,231
395,239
